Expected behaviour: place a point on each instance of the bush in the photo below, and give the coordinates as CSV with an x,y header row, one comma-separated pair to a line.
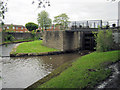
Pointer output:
x,y
9,38
33,34
104,40
31,26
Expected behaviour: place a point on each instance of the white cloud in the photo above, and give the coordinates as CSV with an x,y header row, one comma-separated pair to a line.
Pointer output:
x,y
22,11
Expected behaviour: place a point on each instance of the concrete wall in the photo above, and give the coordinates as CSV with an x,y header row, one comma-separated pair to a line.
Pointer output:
x,y
18,35
62,40
72,40
53,39
116,39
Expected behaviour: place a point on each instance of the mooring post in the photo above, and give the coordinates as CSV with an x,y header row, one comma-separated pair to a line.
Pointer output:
x,y
75,25
87,25
101,24
118,23
83,24
108,23
94,24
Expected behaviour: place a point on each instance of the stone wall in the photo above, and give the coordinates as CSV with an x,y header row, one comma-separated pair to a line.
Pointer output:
x,y
18,35
62,40
72,40
116,39
53,39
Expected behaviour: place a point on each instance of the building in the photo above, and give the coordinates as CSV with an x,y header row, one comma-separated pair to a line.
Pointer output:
x,y
15,28
0,29
51,28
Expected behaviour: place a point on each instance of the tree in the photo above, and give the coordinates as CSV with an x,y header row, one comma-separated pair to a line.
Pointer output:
x,y
43,20
104,40
31,26
3,8
42,3
62,20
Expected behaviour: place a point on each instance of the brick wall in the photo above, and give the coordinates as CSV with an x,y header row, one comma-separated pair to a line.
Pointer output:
x,y
0,29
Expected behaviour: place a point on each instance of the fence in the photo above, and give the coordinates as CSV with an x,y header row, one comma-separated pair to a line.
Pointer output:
x,y
94,24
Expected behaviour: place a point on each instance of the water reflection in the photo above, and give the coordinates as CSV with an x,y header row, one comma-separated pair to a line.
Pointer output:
x,y
6,49
24,71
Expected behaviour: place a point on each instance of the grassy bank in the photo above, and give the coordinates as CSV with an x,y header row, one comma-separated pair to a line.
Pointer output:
x,y
32,47
87,71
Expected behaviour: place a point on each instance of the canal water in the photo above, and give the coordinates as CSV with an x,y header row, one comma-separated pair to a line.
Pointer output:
x,y
21,72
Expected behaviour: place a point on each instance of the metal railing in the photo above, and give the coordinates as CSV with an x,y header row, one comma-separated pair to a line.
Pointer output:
x,y
94,24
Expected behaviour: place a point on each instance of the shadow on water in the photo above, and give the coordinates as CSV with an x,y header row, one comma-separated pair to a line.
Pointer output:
x,y
21,72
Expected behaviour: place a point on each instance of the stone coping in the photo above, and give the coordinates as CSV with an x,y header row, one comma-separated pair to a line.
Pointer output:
x,y
47,53
36,54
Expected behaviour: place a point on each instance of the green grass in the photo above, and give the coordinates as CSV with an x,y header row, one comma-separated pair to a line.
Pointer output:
x,y
87,71
33,47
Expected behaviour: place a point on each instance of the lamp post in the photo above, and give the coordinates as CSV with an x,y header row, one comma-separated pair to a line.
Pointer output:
x,y
101,24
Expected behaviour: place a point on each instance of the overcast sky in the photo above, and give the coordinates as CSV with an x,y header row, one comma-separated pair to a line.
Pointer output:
x,y
21,12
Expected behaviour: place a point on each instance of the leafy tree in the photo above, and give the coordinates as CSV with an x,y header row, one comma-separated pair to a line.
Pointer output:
x,y
42,3
3,8
43,20
31,26
62,20
104,40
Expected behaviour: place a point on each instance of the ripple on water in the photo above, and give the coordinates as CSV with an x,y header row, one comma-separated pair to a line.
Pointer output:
x,y
24,71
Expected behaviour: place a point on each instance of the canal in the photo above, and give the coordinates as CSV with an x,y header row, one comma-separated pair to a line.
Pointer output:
x,y
21,72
